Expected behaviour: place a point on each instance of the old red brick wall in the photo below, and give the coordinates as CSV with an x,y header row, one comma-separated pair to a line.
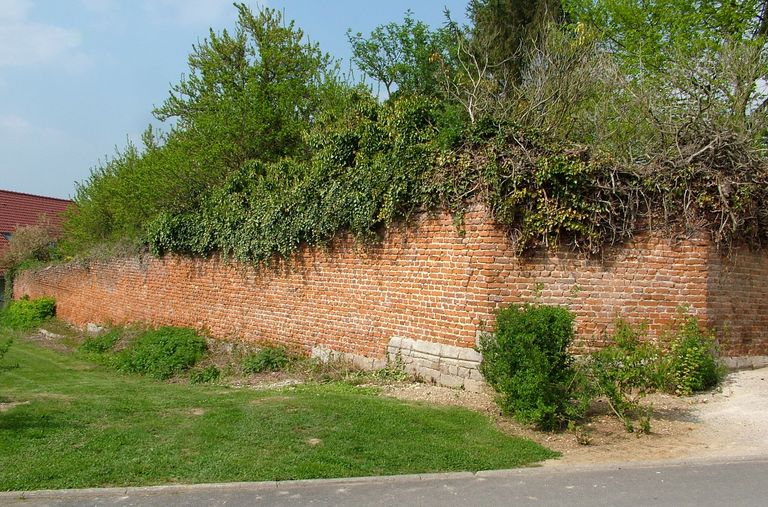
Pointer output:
x,y
738,301
427,282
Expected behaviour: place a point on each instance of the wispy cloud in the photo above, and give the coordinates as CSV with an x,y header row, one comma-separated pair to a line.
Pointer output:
x,y
14,127
26,43
14,10
99,6
189,12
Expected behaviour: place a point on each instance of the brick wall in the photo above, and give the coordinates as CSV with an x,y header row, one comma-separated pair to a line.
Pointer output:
x,y
423,284
737,301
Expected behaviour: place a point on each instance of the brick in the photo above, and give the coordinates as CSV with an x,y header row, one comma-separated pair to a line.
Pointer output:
x,y
425,291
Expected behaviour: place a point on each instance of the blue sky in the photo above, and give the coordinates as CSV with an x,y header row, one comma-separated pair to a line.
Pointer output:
x,y
80,77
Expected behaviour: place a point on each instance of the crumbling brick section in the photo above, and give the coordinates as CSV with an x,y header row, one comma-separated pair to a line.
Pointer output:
x,y
426,283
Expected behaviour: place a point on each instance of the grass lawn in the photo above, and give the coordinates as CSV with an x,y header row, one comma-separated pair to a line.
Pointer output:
x,y
78,424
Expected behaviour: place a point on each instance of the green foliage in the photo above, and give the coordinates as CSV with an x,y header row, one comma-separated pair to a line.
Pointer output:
x,y
249,96
162,353
266,359
404,57
693,358
205,376
271,150
101,343
369,169
624,372
25,313
647,36
528,364
504,31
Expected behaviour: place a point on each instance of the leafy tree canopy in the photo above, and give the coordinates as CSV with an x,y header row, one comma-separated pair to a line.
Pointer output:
x,y
647,34
505,30
403,56
249,94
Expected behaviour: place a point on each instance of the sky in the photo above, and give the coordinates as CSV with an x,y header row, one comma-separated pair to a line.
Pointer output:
x,y
79,78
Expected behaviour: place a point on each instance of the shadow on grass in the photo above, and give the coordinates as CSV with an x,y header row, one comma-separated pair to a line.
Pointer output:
x,y
18,418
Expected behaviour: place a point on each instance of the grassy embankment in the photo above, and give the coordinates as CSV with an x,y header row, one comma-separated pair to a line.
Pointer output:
x,y
73,423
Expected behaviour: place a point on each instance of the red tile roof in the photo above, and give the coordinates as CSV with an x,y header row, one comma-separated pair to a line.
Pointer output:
x,y
18,209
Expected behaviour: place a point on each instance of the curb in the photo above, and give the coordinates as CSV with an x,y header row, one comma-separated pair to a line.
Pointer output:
x,y
267,485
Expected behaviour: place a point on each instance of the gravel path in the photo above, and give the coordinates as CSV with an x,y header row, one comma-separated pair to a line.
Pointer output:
x,y
729,422
735,420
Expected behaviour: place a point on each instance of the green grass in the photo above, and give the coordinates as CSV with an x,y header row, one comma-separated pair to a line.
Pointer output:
x,y
84,425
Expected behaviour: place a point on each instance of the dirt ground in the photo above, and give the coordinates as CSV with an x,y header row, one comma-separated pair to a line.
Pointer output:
x,y
729,422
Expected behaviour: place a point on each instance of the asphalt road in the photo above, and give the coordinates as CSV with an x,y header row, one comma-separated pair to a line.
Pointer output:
x,y
699,483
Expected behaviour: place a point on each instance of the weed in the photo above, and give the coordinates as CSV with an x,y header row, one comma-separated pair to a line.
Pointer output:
x,y
625,371
580,433
26,313
394,371
693,358
102,343
266,359
205,376
162,353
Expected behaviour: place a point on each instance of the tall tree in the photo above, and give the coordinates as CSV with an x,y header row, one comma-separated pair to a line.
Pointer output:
x,y
719,46
647,33
505,30
404,57
248,94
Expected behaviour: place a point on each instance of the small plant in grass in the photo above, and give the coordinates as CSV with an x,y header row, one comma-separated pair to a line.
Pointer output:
x,y
102,343
266,359
693,358
162,353
26,313
206,375
4,347
528,364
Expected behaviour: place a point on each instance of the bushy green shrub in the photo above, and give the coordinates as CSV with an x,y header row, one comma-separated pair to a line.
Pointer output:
x,y
693,358
26,313
206,375
266,359
162,353
102,343
528,364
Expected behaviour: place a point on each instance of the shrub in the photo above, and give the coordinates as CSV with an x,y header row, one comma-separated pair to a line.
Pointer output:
x,y
206,375
267,359
162,353
527,363
101,343
29,242
27,313
693,358
625,371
